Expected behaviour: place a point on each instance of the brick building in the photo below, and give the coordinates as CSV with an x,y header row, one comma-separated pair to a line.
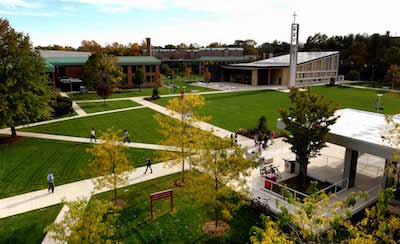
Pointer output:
x,y
69,64
198,59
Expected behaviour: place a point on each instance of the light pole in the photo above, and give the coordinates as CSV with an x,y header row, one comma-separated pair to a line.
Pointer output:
x,y
378,102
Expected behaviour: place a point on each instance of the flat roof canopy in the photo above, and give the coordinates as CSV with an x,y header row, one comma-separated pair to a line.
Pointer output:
x,y
284,60
364,132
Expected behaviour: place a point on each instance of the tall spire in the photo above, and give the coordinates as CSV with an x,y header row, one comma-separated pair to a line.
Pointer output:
x,y
294,17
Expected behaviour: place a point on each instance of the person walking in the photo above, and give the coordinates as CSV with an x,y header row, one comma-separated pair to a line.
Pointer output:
x,y
93,135
148,166
272,136
236,138
256,139
232,141
126,137
50,181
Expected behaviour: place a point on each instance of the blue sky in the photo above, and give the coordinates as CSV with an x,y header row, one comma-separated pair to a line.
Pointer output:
x,y
68,22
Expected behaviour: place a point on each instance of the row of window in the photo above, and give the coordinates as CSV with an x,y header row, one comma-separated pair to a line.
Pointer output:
x,y
134,68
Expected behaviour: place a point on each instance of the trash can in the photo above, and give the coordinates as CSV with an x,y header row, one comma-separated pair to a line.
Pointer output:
x,y
290,166
268,184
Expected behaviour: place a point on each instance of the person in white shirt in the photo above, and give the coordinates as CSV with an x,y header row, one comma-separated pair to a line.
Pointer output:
x,y
93,135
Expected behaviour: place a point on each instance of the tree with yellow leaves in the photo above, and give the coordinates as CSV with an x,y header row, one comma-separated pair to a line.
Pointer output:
x,y
223,170
179,132
110,162
83,223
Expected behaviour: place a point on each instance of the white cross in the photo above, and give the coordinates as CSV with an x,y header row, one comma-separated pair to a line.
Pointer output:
x,y
294,17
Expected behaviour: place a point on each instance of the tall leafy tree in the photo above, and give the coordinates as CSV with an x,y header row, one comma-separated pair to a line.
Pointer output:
x,y
393,75
110,161
307,122
24,85
179,132
83,223
221,164
139,78
102,69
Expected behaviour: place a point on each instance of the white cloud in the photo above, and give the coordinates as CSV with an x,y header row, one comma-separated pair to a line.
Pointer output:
x,y
18,3
123,5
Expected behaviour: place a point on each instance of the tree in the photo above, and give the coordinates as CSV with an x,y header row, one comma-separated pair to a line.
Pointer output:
x,y
84,223
309,225
180,132
110,162
393,75
25,93
221,164
307,122
102,70
206,75
139,78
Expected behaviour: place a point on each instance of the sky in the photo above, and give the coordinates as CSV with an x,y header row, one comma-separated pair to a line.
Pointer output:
x,y
68,22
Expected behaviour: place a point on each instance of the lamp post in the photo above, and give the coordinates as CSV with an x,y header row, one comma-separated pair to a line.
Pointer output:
x,y
378,102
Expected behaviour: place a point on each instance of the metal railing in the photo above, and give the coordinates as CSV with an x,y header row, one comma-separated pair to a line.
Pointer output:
x,y
340,185
279,187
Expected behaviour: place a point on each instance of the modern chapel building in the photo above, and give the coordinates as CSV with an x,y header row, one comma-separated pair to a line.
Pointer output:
x,y
312,67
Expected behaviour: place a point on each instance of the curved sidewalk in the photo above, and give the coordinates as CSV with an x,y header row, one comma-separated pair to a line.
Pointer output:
x,y
81,189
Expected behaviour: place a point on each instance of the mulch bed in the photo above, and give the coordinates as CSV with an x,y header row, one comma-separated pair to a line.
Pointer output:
x,y
293,183
210,229
10,139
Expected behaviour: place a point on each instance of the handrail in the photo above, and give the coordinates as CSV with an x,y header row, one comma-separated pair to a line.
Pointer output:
x,y
336,184
295,192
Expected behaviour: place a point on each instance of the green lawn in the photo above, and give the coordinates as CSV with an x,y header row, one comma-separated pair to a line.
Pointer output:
x,y
183,226
25,164
27,227
242,109
140,123
178,81
109,105
360,98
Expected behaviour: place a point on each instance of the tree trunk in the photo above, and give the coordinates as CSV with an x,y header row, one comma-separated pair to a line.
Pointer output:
x,y
303,163
13,131
216,209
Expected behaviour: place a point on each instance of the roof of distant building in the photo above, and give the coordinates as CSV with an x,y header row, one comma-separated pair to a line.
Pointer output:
x,y
62,54
284,60
228,58
62,58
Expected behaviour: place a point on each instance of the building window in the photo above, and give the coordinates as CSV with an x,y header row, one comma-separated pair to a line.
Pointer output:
x,y
148,78
125,69
133,68
148,68
153,68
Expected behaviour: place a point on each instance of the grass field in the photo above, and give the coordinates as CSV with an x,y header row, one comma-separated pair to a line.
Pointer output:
x,y
183,226
242,109
27,227
109,105
25,164
140,123
178,81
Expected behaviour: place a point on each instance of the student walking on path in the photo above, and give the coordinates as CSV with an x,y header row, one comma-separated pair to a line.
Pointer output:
x,y
50,181
148,166
272,136
93,135
126,137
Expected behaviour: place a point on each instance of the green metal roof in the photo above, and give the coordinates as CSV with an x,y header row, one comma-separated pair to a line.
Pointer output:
x,y
50,67
123,60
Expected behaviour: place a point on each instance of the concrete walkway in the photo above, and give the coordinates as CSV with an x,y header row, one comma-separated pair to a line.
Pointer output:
x,y
371,88
81,189
75,106
87,140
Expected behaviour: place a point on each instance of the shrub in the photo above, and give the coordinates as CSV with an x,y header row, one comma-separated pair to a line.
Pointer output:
x,y
104,90
156,94
62,106
353,75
